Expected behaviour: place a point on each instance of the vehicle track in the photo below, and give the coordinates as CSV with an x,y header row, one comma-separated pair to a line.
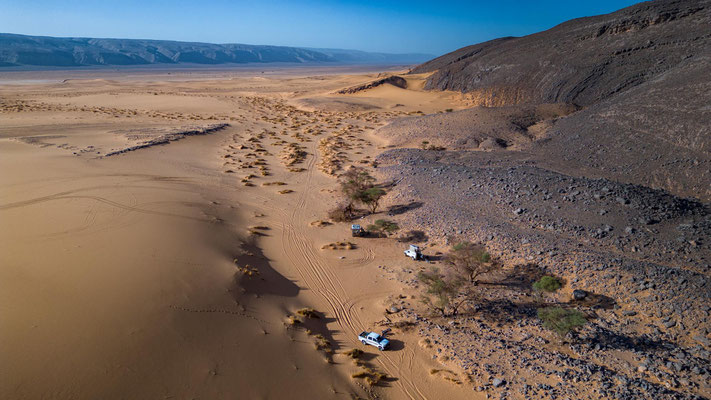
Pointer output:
x,y
319,277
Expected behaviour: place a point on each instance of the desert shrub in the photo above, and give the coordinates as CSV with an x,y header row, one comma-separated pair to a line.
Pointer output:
x,y
424,144
449,110
341,213
308,312
547,284
354,353
561,320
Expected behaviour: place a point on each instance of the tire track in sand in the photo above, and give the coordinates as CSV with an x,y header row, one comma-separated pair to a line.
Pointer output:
x,y
316,273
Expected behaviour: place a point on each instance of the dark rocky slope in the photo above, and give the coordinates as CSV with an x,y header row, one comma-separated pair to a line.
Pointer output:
x,y
639,76
581,61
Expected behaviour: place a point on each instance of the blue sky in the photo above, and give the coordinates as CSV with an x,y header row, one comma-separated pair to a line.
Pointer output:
x,y
433,26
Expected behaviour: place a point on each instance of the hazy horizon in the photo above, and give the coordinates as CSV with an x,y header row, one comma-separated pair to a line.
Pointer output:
x,y
388,27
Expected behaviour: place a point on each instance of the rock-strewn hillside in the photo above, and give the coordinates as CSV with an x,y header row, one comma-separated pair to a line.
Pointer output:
x,y
639,78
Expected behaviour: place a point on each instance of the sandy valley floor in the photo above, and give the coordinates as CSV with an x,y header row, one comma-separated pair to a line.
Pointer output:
x,y
141,259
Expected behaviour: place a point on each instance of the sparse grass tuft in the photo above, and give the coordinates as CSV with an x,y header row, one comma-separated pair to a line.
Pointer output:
x,y
293,320
547,284
354,353
561,320
308,312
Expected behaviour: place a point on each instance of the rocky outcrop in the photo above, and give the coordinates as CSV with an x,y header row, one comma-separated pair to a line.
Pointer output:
x,y
171,137
394,80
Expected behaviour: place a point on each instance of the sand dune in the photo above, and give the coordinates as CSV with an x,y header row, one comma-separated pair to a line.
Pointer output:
x,y
159,273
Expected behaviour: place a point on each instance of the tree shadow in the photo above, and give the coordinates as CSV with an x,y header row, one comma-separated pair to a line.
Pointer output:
x,y
595,301
504,311
413,236
608,339
399,209
521,277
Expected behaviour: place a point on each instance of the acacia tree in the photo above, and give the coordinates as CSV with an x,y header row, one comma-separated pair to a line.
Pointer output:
x,y
355,181
445,293
469,261
371,197
357,185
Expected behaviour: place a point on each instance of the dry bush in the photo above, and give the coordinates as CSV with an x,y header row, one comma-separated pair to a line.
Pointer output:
x,y
341,213
339,246
308,312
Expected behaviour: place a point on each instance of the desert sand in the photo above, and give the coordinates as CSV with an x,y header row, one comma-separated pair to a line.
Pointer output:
x,y
160,232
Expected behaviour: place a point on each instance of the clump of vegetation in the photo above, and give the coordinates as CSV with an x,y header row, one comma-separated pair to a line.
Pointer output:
x,y
383,226
273,184
358,186
293,153
371,376
449,110
354,353
341,213
424,144
561,320
323,344
286,191
247,270
320,223
371,197
441,291
256,232
447,291
469,261
293,320
308,312
339,246
547,284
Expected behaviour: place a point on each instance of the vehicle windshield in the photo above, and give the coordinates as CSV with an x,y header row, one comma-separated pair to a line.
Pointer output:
x,y
376,338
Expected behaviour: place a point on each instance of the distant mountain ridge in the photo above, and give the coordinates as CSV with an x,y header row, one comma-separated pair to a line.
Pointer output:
x,y
23,50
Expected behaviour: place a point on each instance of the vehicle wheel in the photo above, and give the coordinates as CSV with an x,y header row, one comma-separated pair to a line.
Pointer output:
x,y
380,348
363,341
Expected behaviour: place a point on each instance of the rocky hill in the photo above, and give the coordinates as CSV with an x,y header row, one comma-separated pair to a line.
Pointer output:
x,y
21,50
638,76
581,61
587,155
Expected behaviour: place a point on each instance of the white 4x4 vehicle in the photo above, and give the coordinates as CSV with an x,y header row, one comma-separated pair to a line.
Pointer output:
x,y
414,252
373,339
